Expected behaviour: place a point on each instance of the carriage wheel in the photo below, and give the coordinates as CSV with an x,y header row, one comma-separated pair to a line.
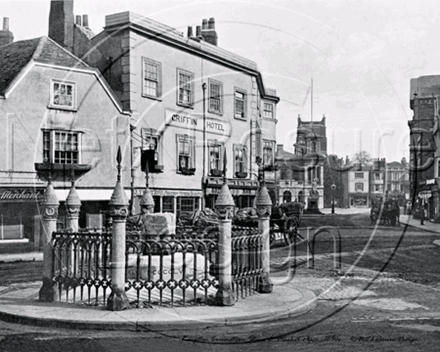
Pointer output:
x,y
291,233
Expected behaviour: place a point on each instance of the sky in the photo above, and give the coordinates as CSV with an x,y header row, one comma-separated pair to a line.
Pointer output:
x,y
360,56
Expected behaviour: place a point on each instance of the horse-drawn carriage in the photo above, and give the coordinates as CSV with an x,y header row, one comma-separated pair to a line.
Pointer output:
x,y
285,220
385,212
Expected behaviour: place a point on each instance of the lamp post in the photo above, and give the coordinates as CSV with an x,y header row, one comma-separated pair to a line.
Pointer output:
x,y
333,187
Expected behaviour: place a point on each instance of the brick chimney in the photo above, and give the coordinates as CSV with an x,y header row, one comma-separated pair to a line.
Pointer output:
x,y
61,21
6,36
208,31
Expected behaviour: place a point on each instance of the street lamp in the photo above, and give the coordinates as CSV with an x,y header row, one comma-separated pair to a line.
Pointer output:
x,y
333,187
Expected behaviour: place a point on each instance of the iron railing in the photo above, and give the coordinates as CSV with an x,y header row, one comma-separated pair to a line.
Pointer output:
x,y
170,271
81,265
166,271
247,248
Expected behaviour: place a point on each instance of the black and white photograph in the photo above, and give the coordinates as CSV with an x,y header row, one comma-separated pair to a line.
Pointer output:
x,y
218,175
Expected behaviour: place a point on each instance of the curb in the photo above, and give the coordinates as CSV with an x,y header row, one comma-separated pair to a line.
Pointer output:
x,y
305,304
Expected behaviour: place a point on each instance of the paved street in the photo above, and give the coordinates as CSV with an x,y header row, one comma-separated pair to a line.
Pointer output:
x,y
383,298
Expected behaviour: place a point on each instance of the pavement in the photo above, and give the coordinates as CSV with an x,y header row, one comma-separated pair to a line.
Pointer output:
x,y
19,304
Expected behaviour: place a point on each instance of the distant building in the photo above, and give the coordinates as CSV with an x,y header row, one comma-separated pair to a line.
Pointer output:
x,y
298,172
377,174
397,181
424,162
358,186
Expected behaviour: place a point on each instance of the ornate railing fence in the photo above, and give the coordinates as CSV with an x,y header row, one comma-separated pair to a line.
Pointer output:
x,y
81,265
169,271
247,266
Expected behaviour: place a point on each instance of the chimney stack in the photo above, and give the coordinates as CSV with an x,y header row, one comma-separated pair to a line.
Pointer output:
x,y
208,31
6,36
61,23
190,31
86,21
199,32
78,20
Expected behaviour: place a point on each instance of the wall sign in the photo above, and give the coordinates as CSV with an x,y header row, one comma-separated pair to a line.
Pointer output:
x,y
195,123
20,194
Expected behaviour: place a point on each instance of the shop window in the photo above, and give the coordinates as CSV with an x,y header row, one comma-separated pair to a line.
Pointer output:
x,y
240,104
62,95
215,97
185,88
268,111
150,152
61,147
185,155
215,159
168,204
240,161
186,206
152,78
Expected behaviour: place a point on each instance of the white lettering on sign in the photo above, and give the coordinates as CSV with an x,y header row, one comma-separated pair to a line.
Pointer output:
x,y
23,194
196,123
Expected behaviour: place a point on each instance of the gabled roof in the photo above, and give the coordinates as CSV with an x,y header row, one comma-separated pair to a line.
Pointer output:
x,y
15,56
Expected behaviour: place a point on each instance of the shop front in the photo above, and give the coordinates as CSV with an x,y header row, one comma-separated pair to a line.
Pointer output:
x,y
20,218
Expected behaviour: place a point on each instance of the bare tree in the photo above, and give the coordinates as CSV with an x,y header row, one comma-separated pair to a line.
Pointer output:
x,y
362,158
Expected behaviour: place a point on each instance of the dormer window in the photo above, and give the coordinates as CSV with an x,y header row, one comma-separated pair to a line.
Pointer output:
x,y
62,95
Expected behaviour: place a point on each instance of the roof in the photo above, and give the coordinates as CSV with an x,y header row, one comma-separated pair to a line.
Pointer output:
x,y
169,34
394,164
15,56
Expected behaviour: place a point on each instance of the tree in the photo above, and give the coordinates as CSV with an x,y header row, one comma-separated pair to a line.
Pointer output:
x,y
362,158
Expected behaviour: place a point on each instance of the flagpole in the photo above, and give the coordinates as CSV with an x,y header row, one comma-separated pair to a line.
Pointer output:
x,y
311,99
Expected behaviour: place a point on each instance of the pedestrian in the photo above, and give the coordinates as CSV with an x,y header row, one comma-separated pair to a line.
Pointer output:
x,y
422,214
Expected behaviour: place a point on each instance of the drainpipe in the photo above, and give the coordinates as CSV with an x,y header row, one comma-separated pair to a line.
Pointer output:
x,y
132,128
204,148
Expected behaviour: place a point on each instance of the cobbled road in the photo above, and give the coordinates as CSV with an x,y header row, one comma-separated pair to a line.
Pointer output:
x,y
384,297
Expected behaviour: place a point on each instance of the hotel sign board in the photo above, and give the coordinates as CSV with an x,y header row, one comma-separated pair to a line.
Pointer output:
x,y
195,123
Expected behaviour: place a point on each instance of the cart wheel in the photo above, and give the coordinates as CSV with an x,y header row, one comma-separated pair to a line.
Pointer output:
x,y
290,232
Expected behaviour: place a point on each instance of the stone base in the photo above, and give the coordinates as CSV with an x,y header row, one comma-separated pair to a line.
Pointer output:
x,y
117,301
49,291
223,297
264,284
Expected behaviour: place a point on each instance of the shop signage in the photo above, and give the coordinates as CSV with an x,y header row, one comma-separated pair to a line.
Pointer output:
x,y
430,182
195,123
20,194
168,193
